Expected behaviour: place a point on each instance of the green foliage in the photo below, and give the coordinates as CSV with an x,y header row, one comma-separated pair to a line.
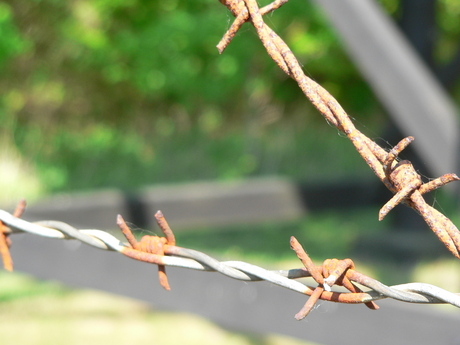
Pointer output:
x,y
449,29
101,156
139,57
122,93
11,41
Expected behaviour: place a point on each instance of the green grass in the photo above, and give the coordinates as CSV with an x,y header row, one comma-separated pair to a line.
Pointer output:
x,y
42,313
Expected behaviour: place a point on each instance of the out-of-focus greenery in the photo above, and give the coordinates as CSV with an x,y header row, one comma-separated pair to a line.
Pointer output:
x,y
125,93
448,41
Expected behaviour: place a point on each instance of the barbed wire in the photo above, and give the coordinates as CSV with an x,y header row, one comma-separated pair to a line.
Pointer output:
x,y
400,177
162,251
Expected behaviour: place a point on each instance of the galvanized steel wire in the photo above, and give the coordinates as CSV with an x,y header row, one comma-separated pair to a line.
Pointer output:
x,y
192,259
398,176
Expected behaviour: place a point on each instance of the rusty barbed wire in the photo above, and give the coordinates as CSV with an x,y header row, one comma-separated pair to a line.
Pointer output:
x,y
162,251
400,177
5,241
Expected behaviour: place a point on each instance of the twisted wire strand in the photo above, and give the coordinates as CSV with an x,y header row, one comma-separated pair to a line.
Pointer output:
x,y
400,178
193,259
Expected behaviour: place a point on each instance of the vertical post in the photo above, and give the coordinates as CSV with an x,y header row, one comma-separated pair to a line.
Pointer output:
x,y
413,97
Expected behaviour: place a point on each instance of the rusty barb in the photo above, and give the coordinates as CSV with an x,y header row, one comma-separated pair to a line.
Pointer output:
x,y
150,249
400,177
162,251
332,272
5,241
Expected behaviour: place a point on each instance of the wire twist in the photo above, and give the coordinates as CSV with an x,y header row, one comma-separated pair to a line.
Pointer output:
x,y
399,177
162,251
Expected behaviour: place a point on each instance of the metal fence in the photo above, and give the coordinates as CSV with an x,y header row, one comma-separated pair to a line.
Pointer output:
x,y
399,177
162,251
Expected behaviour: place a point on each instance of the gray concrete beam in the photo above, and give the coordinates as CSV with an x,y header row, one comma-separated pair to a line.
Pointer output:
x,y
202,204
404,85
188,205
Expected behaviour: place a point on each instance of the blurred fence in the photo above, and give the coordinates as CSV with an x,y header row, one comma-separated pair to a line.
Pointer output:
x,y
205,204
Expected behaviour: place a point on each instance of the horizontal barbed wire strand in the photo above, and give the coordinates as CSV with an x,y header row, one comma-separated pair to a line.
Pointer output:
x,y
377,158
192,259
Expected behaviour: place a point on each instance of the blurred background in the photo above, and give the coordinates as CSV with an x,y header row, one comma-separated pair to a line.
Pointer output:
x,y
131,93
128,94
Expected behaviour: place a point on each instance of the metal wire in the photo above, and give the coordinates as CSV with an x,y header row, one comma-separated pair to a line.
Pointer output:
x,y
399,177
192,259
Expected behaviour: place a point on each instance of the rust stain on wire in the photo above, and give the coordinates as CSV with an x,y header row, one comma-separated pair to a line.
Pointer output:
x,y
399,177
151,248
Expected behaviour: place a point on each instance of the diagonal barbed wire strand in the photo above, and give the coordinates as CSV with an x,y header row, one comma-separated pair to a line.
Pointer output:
x,y
193,259
399,176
